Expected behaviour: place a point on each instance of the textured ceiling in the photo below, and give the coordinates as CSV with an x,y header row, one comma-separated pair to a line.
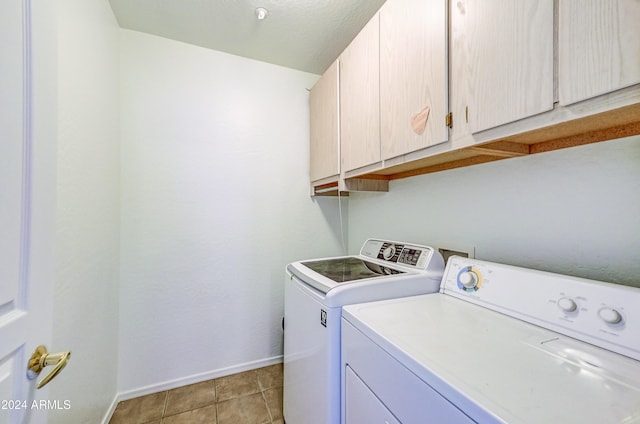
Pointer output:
x,y
307,35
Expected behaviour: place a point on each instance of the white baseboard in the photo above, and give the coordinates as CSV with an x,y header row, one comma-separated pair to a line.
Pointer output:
x,y
111,410
185,381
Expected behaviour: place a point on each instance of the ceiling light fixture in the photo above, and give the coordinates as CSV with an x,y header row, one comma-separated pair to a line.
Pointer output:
x,y
261,13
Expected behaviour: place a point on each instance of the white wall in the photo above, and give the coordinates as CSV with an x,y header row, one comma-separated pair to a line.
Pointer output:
x,y
87,221
214,204
574,211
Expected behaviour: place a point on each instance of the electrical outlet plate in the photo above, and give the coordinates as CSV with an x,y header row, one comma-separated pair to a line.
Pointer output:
x,y
464,251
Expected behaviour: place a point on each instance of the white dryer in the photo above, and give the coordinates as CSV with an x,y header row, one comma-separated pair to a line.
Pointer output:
x,y
497,344
315,292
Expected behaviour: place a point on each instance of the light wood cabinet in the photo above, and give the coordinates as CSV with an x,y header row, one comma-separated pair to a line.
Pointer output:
x,y
512,86
324,126
413,74
360,99
598,47
502,59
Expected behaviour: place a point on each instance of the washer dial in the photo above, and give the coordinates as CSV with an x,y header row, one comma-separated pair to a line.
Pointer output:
x,y
388,252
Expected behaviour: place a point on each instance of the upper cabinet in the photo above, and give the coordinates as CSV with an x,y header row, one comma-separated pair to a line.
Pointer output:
x,y
324,126
598,47
360,99
502,60
413,75
430,85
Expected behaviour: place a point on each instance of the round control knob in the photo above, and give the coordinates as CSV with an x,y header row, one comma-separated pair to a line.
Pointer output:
x,y
567,304
610,315
388,252
468,279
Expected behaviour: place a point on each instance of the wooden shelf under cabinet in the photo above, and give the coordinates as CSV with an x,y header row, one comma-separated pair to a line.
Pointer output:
x,y
609,125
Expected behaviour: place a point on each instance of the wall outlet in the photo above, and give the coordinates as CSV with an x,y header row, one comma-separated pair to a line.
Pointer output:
x,y
466,253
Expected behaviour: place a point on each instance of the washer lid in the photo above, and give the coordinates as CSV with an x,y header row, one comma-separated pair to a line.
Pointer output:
x,y
327,274
379,261
346,269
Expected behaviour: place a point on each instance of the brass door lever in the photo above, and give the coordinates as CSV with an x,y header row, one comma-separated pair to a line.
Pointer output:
x,y
41,358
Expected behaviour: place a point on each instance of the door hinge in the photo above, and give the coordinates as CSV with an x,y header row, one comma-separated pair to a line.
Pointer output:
x,y
449,120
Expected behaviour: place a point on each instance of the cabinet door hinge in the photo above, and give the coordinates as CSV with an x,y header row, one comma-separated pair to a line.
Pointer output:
x,y
449,120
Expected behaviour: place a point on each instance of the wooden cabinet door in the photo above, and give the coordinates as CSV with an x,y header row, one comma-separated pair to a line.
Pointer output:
x,y
413,74
502,55
599,47
324,126
360,99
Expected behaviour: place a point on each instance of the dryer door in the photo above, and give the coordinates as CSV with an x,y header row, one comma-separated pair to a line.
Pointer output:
x,y
362,406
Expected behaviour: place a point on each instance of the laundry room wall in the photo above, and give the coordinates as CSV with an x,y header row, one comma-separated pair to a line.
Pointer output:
x,y
215,203
85,303
572,211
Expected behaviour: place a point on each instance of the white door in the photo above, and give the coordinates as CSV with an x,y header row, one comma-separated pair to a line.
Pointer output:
x,y
27,201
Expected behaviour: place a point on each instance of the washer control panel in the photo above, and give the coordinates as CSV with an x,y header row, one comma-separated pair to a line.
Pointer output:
x,y
414,256
600,313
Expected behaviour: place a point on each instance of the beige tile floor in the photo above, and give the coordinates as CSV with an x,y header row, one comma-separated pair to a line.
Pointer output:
x,y
251,397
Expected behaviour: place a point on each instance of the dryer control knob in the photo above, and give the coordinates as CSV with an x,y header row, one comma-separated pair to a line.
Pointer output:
x,y
468,279
567,304
610,315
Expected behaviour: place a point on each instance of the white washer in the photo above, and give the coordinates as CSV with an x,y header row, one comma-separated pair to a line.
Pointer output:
x,y
498,344
315,291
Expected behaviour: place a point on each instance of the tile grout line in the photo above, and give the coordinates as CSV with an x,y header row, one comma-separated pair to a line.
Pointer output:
x,y
164,408
215,399
264,398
